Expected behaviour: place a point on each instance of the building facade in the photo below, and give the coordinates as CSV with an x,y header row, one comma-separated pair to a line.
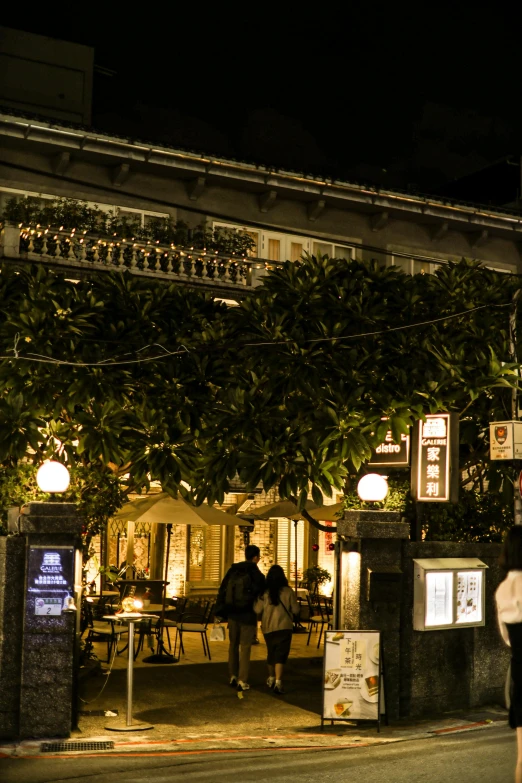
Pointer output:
x,y
284,213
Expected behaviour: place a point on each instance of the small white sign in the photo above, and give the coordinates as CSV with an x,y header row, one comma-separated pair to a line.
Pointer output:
x,y
48,606
505,440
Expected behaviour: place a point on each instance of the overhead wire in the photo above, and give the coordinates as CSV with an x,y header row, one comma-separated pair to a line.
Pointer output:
x,y
115,362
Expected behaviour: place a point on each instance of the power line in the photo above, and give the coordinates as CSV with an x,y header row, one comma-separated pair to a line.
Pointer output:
x,y
39,358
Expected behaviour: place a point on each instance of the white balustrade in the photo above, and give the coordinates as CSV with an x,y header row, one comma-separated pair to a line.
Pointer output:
x,y
139,258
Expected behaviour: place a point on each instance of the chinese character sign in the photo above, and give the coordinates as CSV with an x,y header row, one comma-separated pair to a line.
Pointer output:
x,y
50,579
352,676
435,467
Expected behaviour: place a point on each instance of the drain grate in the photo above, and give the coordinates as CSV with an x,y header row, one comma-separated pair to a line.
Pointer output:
x,y
61,747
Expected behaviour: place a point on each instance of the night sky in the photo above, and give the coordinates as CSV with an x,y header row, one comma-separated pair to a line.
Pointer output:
x,y
375,95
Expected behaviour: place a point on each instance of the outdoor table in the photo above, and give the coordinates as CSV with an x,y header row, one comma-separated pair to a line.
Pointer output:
x,y
153,608
130,619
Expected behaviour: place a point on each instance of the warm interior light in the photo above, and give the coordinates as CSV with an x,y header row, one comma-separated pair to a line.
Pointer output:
x,y
372,488
52,477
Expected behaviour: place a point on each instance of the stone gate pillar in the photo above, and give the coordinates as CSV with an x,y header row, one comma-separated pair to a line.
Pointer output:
x,y
369,584
38,639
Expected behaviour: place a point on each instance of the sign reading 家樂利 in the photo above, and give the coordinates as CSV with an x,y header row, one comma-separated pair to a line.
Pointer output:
x,y
50,579
435,463
391,454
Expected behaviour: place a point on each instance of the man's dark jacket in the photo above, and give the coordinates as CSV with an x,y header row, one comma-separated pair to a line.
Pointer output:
x,y
245,615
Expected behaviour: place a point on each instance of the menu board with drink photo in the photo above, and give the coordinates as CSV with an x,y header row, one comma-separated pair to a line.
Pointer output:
x,y
352,676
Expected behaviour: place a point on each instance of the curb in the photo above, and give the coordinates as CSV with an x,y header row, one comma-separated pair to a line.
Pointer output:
x,y
247,743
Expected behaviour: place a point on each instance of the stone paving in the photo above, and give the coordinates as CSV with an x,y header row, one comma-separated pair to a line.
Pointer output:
x,y
192,708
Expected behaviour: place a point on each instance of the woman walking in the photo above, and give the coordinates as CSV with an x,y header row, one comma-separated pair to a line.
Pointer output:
x,y
278,604
509,609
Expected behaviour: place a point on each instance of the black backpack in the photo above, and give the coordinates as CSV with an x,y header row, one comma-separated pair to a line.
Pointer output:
x,y
240,592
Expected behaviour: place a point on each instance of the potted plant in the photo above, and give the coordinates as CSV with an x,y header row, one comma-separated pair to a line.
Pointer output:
x,y
316,576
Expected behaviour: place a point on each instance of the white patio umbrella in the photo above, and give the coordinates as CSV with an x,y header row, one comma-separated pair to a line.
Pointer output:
x,y
161,508
281,508
327,513
164,509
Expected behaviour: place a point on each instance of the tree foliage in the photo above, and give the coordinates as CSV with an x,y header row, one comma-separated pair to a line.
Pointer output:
x,y
110,404
292,388
73,214
328,354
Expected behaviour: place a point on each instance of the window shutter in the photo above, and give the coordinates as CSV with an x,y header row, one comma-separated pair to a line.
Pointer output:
x,y
213,550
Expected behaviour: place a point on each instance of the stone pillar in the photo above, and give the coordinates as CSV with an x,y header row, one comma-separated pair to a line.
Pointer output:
x,y
12,587
370,585
50,642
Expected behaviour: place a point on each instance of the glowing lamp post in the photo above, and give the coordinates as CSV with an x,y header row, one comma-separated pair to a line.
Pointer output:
x,y
53,477
372,488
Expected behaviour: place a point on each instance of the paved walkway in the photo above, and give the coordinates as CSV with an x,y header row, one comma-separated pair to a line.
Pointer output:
x,y
192,708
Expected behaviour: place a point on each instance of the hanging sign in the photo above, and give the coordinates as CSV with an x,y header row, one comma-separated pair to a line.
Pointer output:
x,y
435,459
391,454
505,440
352,676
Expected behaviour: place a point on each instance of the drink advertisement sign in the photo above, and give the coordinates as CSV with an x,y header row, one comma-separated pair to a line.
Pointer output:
x,y
352,676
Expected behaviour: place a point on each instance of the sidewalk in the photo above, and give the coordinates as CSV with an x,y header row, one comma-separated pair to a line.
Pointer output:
x,y
193,709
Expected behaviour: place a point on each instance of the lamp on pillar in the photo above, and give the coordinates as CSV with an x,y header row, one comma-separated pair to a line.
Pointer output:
x,y
372,488
53,477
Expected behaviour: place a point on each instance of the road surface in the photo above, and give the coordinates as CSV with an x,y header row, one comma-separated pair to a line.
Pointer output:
x,y
485,755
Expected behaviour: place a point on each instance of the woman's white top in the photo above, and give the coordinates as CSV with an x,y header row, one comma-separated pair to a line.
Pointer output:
x,y
509,602
280,617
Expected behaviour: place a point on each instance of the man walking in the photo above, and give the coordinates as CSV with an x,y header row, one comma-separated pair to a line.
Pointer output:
x,y
242,585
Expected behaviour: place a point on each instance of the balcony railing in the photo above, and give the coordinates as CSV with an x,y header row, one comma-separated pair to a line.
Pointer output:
x,y
88,252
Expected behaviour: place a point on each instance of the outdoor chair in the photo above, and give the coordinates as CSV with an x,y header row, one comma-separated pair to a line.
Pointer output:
x,y
194,622
173,616
146,629
318,617
100,630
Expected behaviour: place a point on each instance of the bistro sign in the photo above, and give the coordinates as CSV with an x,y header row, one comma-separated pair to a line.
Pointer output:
x,y
435,459
391,454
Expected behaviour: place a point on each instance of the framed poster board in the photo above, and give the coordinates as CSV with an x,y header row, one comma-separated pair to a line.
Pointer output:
x,y
353,683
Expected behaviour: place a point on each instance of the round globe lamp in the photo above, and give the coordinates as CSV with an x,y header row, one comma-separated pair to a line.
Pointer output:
x,y
372,488
52,477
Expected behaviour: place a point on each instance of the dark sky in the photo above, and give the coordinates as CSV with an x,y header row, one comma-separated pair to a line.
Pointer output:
x,y
406,99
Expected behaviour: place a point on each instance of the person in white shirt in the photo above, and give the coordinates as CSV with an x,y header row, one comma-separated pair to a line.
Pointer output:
x,y
509,611
278,605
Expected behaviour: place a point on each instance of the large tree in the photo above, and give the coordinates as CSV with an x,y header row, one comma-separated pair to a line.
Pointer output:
x,y
328,354
105,373
290,389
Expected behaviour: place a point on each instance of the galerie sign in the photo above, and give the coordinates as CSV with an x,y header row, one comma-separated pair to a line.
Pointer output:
x,y
435,463
392,454
50,578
